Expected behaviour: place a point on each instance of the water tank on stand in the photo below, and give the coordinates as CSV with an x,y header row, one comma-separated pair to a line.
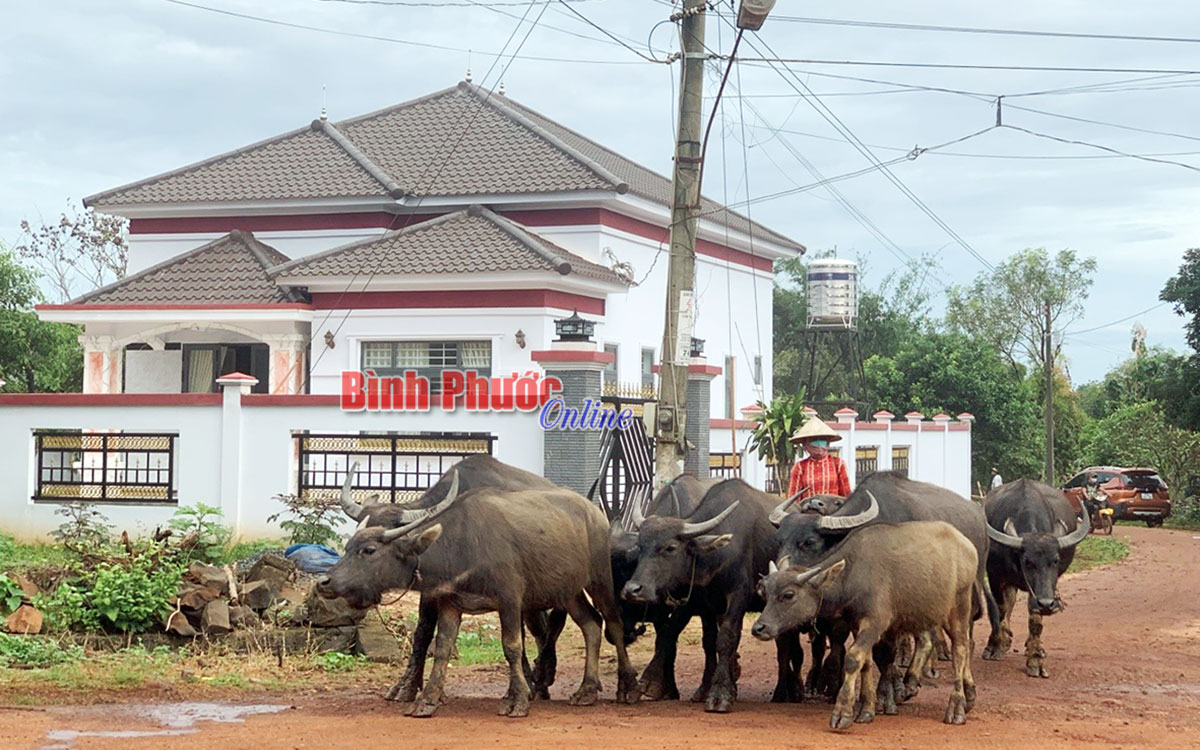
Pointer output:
x,y
833,294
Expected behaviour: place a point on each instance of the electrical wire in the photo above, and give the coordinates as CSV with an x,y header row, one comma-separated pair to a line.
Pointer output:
x,y
566,4
963,66
1115,322
977,30
1099,122
829,116
1141,157
393,40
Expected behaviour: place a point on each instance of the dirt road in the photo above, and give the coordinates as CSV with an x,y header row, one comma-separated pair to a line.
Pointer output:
x,y
1124,659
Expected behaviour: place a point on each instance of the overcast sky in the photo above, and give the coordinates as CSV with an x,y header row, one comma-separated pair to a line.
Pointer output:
x,y
94,95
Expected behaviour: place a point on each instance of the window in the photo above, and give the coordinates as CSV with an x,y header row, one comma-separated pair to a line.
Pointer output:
x,y
105,467
866,460
427,358
648,367
204,363
610,370
900,459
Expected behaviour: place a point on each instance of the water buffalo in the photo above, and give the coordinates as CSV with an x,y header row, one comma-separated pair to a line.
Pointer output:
x,y
679,498
471,473
1034,531
489,550
881,497
884,580
710,563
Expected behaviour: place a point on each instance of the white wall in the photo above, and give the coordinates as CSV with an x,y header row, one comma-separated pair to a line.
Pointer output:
x,y
268,467
146,250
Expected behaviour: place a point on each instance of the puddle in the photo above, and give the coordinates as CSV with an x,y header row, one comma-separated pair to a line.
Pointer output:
x,y
174,718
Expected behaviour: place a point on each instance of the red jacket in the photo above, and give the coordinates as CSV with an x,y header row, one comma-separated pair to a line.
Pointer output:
x,y
825,476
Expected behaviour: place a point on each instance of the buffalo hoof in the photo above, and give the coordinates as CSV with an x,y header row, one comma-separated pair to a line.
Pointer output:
x,y
586,695
969,693
658,690
539,692
929,672
628,690
956,710
864,717
1036,669
788,691
909,689
840,722
994,651
718,703
514,708
885,697
700,695
404,691
422,709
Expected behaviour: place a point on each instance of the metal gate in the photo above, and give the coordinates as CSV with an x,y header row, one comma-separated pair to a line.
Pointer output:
x,y
391,467
626,456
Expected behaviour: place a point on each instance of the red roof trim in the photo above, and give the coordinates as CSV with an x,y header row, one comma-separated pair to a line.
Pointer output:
x,y
384,220
237,376
429,299
110,399
572,355
250,306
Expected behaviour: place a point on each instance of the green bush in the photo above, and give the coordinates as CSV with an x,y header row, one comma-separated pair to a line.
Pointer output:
x,y
128,598
34,651
310,521
1185,513
204,534
11,595
336,661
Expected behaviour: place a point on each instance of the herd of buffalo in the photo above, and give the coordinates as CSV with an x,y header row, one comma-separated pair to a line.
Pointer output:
x,y
875,580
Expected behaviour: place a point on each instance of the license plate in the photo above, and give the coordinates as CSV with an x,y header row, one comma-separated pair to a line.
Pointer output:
x,y
1146,513
1147,496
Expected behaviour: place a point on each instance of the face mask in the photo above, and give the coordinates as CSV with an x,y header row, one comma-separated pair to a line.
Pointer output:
x,y
820,443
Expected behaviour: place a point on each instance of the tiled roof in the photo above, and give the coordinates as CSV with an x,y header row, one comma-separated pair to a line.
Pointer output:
x,y
230,270
460,141
473,240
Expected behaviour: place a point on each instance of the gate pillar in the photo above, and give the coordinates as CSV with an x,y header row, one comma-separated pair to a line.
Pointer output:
x,y
572,456
699,409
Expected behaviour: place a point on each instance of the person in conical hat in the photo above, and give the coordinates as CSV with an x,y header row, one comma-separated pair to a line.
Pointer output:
x,y
819,473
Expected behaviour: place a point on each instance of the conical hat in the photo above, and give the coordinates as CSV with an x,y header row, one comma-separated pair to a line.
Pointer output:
x,y
814,428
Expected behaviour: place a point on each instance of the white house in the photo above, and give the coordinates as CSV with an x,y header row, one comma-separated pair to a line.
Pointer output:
x,y
448,232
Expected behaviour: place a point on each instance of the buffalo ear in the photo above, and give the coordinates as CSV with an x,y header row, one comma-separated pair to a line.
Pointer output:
x,y
711,542
830,575
426,538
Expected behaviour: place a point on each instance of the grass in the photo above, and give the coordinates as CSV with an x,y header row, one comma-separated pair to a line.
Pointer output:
x,y
1096,551
479,643
18,557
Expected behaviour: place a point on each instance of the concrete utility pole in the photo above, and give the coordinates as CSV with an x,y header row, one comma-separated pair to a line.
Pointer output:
x,y
1048,364
681,271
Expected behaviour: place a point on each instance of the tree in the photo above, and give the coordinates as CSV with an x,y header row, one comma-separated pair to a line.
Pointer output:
x,y
951,372
1019,307
1139,434
34,355
78,253
775,424
1183,289
1160,375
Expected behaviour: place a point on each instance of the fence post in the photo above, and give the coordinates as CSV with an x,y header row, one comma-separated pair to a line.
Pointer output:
x,y
699,411
571,458
233,386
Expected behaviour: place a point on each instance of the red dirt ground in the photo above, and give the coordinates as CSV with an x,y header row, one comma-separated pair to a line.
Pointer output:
x,y
1124,659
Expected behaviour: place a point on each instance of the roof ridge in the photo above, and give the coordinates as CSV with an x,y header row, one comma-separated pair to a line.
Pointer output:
x,y
402,105
258,248
504,108
532,242
97,197
338,137
408,229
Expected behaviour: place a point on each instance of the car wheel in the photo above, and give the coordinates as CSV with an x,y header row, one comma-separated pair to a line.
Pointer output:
x,y
1154,523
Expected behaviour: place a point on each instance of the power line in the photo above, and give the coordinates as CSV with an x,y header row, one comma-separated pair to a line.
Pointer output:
x,y
1115,322
977,30
393,40
1141,157
605,31
829,116
1098,122
464,4
963,66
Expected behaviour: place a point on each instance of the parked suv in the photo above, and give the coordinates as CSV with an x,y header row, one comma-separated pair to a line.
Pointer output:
x,y
1136,494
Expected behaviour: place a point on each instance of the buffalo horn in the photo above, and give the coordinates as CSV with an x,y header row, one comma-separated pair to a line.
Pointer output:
x,y
780,511
675,501
426,513
351,508
636,515
1082,529
691,530
1008,537
772,568
845,523
806,576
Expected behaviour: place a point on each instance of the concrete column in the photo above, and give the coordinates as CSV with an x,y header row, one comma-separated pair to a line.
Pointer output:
x,y
287,365
914,456
101,364
233,387
699,412
572,457
943,423
846,418
885,457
